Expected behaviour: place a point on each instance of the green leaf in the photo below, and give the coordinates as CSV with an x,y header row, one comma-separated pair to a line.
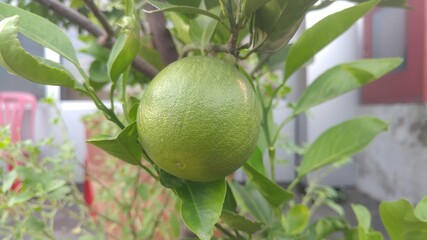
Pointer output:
x,y
322,228
250,6
401,222
125,146
324,32
229,201
202,29
41,31
164,7
276,23
125,49
297,220
35,224
388,3
256,161
20,197
55,184
201,206
363,216
344,78
9,180
247,196
421,210
17,61
339,142
240,223
272,192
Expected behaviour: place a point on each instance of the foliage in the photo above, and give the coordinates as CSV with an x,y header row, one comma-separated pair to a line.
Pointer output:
x,y
254,35
39,189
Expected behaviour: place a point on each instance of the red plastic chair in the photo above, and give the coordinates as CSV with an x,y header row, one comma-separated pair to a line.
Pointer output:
x,y
13,106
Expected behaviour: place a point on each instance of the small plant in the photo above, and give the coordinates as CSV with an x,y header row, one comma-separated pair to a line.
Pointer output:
x,y
253,36
39,188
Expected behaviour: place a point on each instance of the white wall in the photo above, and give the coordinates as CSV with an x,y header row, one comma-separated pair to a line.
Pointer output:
x,y
72,113
344,49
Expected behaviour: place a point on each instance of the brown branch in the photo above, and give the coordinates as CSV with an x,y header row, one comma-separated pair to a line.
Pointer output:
x,y
162,38
109,32
83,22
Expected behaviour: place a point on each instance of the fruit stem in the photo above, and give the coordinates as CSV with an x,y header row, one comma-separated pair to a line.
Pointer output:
x,y
235,28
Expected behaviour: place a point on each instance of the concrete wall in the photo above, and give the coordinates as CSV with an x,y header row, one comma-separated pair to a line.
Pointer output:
x,y
394,166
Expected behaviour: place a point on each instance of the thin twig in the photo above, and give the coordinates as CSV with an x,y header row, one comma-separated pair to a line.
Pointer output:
x,y
134,229
162,38
157,222
109,32
83,22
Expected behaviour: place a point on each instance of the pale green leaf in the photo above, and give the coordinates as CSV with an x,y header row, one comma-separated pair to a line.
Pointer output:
x,y
421,210
41,31
297,219
8,180
344,78
363,216
202,28
125,146
324,32
17,61
339,142
201,206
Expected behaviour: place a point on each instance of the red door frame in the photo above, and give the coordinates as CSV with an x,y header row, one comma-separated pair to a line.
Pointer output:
x,y
409,84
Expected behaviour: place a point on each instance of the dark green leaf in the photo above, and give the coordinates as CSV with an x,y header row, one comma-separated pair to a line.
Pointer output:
x,y
274,194
170,181
201,206
340,142
125,48
240,223
297,220
250,6
277,21
229,202
323,33
163,6
41,31
17,61
125,146
344,78
247,196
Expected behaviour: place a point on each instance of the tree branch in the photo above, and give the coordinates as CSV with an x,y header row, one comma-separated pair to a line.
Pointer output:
x,y
109,32
83,22
162,38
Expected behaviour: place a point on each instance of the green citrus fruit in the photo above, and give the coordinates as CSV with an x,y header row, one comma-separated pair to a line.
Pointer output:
x,y
199,119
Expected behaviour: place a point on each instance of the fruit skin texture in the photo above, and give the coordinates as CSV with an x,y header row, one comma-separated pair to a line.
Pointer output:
x,y
199,119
